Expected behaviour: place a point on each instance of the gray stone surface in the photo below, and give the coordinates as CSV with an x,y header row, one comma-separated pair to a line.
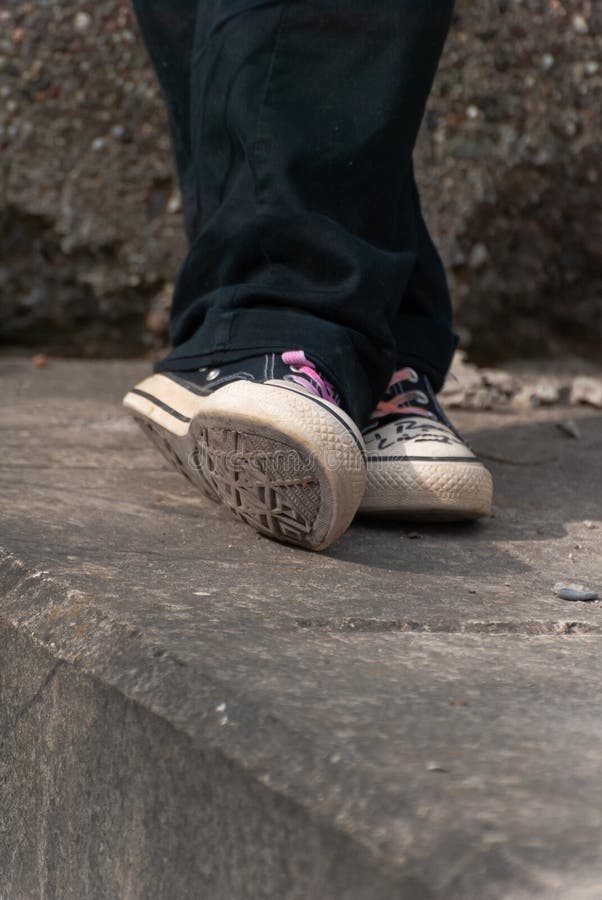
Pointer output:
x,y
190,710
509,160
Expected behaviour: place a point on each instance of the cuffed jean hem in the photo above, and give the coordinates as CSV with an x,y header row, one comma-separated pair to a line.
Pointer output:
x,y
226,336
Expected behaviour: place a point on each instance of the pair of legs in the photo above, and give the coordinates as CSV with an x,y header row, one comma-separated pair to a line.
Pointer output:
x,y
312,302
294,124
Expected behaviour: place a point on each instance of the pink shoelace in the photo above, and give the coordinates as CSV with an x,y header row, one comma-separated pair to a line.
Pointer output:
x,y
405,402
307,376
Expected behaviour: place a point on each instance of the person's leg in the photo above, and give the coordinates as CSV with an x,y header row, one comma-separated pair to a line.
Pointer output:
x,y
418,466
168,28
422,328
303,119
294,125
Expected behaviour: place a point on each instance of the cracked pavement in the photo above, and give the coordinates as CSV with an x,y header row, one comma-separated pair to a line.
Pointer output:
x,y
421,691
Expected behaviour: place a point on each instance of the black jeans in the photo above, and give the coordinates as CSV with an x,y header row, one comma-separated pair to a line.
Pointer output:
x,y
294,124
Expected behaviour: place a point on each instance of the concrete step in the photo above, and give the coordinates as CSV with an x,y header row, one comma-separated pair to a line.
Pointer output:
x,y
188,710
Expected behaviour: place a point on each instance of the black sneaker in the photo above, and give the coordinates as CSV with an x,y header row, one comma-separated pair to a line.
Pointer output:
x,y
419,468
265,437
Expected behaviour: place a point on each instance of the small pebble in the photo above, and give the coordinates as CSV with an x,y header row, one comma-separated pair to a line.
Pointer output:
x,y
575,593
478,256
39,360
544,394
587,390
82,22
580,25
589,524
435,767
570,428
413,535
174,204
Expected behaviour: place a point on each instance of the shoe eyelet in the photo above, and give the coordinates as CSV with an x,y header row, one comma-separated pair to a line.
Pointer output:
x,y
212,375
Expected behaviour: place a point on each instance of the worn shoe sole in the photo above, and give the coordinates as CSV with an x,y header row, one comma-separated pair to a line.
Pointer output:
x,y
427,490
289,464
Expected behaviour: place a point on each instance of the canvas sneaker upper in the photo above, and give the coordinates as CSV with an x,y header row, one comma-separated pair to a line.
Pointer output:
x,y
418,466
409,421
292,366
